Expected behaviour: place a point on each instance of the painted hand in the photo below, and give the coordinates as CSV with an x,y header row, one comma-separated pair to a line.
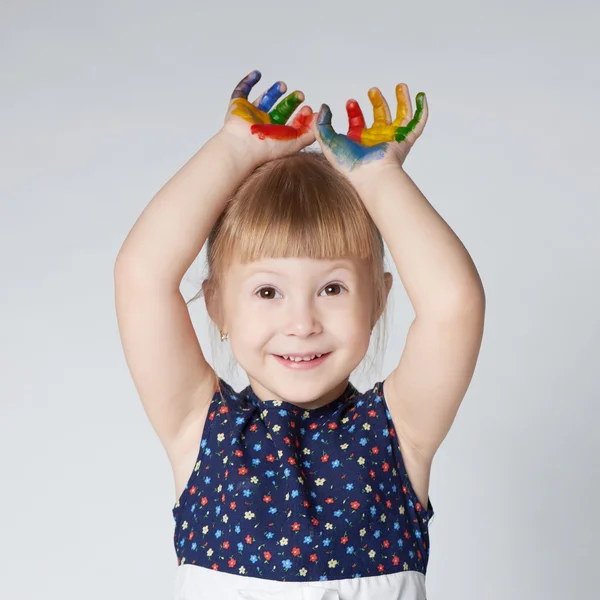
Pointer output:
x,y
385,142
261,129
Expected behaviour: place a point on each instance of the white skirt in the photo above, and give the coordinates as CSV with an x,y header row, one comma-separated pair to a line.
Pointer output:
x,y
193,582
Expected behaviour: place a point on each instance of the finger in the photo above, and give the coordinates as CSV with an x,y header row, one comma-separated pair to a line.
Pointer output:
x,y
283,111
381,110
242,89
324,127
404,111
267,99
413,129
356,120
303,120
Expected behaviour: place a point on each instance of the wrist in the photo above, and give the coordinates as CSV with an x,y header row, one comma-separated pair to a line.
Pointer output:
x,y
370,178
235,153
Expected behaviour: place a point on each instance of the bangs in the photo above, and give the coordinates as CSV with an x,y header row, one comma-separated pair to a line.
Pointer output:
x,y
298,206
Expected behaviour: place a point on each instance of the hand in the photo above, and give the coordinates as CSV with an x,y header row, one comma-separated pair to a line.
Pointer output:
x,y
385,142
263,134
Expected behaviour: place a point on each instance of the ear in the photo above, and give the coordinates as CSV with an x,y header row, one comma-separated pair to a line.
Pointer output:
x,y
211,301
389,280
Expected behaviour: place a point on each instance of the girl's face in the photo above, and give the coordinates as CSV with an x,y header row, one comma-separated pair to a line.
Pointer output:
x,y
288,306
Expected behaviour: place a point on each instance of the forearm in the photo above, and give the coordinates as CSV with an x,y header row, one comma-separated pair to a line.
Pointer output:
x,y
173,227
434,266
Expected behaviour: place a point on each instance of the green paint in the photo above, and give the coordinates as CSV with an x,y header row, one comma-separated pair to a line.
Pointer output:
x,y
402,132
283,111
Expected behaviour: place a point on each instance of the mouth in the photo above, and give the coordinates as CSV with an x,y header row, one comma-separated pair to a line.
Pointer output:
x,y
305,363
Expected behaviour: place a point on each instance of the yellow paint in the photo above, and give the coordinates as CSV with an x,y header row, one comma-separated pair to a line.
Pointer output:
x,y
249,112
381,131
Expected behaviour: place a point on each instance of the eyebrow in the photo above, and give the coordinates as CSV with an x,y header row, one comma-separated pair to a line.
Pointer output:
x,y
259,271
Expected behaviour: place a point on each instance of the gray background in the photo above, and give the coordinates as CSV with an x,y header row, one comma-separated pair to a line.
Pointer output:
x,y
102,102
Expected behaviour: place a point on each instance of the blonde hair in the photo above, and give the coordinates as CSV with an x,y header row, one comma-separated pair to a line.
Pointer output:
x,y
296,206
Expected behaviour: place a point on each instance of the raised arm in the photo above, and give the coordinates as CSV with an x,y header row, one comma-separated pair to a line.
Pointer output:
x,y
172,377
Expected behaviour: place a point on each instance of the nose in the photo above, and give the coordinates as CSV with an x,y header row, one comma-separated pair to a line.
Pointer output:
x,y
302,318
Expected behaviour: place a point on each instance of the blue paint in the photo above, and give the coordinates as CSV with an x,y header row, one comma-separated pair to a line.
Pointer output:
x,y
271,96
242,89
346,151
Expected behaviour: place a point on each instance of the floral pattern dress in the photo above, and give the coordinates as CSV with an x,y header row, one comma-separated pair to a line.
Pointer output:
x,y
283,498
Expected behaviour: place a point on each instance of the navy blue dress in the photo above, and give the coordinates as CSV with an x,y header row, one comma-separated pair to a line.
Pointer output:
x,y
285,493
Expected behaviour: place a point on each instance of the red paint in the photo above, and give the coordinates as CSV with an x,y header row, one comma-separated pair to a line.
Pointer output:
x,y
356,120
299,126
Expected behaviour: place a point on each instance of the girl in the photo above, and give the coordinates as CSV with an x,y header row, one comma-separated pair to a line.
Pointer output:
x,y
299,486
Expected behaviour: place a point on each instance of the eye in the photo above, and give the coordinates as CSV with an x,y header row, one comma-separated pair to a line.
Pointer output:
x,y
334,285
272,291
269,297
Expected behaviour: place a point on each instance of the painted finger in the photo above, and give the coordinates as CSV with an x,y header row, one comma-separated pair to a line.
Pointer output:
x,y
242,89
283,111
381,110
303,120
356,120
266,100
404,112
415,126
324,127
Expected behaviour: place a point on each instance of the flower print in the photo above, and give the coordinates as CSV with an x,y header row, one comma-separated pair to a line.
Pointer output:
x,y
313,521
